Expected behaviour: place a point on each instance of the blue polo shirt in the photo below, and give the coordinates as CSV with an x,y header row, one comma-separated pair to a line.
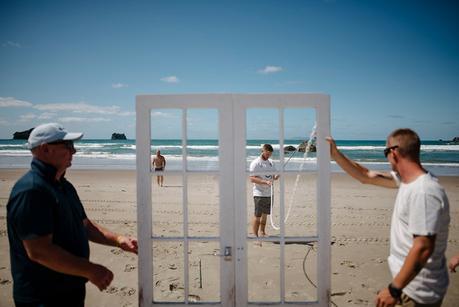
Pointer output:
x,y
40,205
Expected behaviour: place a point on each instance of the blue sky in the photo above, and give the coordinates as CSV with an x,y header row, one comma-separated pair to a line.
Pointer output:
x,y
386,64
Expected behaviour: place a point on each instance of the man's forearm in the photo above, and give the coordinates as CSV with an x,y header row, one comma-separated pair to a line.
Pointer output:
x,y
258,180
98,234
415,260
58,259
361,173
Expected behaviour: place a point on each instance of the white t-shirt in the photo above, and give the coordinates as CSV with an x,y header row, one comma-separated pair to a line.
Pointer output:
x,y
260,165
421,208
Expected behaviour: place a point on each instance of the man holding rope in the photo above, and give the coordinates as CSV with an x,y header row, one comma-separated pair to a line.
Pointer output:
x,y
262,189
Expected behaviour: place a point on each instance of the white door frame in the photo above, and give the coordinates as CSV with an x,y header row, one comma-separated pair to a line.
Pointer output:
x,y
232,168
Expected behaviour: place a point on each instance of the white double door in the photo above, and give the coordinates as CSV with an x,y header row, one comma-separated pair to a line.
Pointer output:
x,y
239,277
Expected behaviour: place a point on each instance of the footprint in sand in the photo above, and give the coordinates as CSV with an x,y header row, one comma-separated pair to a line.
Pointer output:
x,y
348,263
111,290
116,251
126,291
129,268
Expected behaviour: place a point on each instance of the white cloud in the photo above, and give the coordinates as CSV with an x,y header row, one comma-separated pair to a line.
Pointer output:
x,y
47,115
126,113
119,85
6,102
80,107
170,79
11,44
27,117
83,119
270,70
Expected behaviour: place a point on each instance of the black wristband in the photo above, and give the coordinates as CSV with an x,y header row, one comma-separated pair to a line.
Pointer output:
x,y
394,292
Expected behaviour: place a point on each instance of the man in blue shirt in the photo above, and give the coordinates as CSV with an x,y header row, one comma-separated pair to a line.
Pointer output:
x,y
48,229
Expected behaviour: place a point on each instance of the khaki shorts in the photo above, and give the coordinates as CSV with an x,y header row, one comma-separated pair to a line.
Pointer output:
x,y
262,205
407,301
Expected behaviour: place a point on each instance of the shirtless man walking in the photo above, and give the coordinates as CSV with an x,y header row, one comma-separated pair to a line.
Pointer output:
x,y
159,164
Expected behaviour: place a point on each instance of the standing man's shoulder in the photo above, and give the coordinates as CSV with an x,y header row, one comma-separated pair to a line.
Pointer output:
x,y
431,186
430,183
254,163
30,181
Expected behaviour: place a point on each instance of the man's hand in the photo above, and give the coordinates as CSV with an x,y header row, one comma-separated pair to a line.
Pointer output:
x,y
453,263
100,276
127,244
384,299
333,147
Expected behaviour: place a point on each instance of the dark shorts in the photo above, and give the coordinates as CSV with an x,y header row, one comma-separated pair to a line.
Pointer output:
x,y
158,169
262,205
75,299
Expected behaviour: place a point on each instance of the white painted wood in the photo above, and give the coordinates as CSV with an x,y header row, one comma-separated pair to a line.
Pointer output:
x,y
281,198
227,208
240,184
232,176
323,202
144,218
185,204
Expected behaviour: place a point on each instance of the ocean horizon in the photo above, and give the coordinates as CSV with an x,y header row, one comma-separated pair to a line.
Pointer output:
x,y
438,157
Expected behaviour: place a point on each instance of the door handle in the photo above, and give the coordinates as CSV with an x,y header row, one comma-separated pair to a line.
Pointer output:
x,y
227,253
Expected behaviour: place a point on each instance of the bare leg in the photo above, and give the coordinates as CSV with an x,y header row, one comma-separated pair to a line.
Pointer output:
x,y
157,179
255,225
263,224
161,179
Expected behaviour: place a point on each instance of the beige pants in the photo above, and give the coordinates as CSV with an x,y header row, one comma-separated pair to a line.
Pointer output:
x,y
407,301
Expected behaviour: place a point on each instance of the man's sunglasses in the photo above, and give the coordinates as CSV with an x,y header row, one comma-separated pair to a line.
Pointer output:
x,y
67,144
388,149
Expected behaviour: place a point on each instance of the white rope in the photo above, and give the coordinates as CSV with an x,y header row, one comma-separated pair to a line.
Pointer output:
x,y
311,140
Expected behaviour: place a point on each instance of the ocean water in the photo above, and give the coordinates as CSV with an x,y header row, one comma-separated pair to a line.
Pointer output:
x,y
438,157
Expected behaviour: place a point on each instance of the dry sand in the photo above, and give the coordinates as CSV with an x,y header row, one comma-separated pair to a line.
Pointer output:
x,y
360,232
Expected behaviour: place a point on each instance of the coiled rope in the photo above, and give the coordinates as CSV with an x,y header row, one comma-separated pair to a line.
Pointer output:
x,y
312,139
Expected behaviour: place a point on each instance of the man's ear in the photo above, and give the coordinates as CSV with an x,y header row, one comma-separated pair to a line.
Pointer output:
x,y
395,155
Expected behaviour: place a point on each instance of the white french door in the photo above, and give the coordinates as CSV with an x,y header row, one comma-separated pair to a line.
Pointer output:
x,y
194,257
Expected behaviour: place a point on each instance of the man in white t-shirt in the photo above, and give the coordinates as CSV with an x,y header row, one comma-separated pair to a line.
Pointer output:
x,y
262,184
419,226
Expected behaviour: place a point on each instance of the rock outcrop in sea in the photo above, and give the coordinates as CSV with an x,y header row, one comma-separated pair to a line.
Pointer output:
x,y
301,148
22,135
118,136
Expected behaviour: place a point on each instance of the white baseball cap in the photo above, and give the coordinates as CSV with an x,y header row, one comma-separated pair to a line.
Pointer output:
x,y
48,133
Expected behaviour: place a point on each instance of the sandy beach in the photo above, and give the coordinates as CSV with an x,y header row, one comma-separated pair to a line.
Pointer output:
x,y
360,234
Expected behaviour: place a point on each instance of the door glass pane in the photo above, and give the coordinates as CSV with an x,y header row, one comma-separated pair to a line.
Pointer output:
x,y
167,208
300,217
300,272
204,271
203,205
168,274
263,271
202,142
262,128
299,139
166,136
